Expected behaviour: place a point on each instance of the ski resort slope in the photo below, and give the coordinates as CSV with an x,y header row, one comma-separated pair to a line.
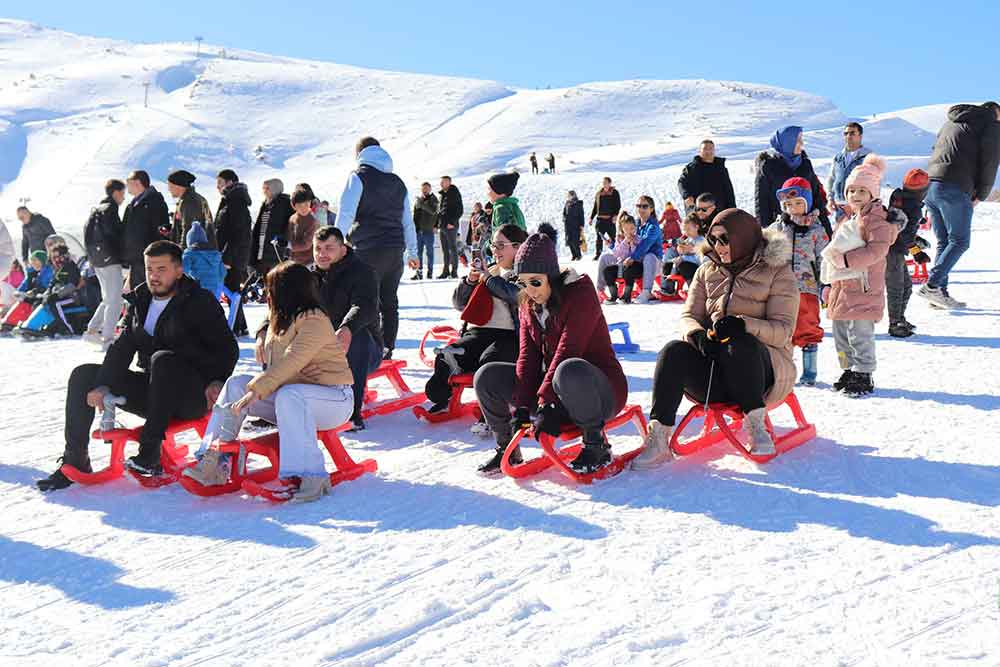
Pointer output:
x,y
877,543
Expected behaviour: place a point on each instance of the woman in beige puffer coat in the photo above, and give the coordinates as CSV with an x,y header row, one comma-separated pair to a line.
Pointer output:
x,y
737,325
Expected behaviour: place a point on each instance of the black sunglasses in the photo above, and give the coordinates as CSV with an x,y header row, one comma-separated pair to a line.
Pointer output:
x,y
643,206
722,238
534,282
702,209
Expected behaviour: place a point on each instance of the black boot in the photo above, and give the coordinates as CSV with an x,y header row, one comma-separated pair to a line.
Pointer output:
x,y
595,454
860,385
492,467
613,292
627,293
845,379
147,461
58,480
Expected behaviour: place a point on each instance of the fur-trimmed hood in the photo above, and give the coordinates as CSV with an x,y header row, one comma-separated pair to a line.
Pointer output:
x,y
774,250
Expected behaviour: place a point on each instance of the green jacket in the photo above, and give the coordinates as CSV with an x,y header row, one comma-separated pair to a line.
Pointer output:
x,y
191,207
506,211
425,212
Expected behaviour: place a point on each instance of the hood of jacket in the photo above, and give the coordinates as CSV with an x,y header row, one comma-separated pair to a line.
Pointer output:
x,y
375,156
971,114
237,193
774,249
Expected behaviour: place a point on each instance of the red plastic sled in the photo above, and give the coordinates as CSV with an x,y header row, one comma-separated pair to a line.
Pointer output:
x,y
680,290
551,456
172,455
602,296
18,313
723,420
405,398
444,334
456,408
918,272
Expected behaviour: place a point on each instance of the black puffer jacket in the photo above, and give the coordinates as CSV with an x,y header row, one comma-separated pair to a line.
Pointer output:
x,y
277,212
910,202
232,226
192,325
700,177
350,295
450,208
772,172
102,235
967,150
144,216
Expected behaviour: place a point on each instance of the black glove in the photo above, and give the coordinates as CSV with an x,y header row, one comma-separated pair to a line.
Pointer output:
x,y
550,419
921,257
921,242
728,328
708,347
521,419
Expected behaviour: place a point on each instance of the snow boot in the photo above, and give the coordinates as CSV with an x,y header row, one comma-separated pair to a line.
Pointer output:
x,y
213,469
492,467
311,489
443,275
594,455
646,296
357,425
417,276
668,286
655,447
861,385
612,292
900,330
761,443
845,379
58,480
809,353
147,462
438,408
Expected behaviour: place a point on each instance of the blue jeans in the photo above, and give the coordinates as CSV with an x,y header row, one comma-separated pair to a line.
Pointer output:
x,y
426,240
364,357
951,217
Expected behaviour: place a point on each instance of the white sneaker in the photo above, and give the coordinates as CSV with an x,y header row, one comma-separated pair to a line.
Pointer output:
x,y
656,447
481,429
938,297
311,488
646,296
93,337
761,443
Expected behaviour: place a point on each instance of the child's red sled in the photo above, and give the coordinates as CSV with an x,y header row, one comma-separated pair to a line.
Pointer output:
x,y
443,334
602,296
17,314
680,288
405,398
456,408
551,456
724,420
918,271
172,455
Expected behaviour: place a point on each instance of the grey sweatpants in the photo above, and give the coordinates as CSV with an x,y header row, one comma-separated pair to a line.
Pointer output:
x,y
898,285
650,269
582,388
110,311
855,341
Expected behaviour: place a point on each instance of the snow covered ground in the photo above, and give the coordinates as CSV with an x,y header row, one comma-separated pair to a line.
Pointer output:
x,y
878,543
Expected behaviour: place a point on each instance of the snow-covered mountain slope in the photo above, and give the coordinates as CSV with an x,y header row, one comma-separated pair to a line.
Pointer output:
x,y
72,115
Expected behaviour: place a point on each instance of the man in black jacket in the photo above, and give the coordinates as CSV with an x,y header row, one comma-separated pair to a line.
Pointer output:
x,y
35,228
963,169
232,233
706,173
145,216
186,351
349,289
449,216
604,215
102,236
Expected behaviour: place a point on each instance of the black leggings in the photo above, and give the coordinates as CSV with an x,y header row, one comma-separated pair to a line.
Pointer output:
x,y
743,375
480,346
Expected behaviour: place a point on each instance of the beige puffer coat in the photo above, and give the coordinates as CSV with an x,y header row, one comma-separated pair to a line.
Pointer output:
x,y
765,295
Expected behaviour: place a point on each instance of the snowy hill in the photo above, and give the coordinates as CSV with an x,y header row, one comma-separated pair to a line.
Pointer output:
x,y
72,115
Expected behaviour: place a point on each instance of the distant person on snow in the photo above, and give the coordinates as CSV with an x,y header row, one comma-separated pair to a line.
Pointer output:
x,y
302,227
377,220
670,222
898,283
683,257
566,373
269,236
645,260
800,224
607,204
425,211
963,169
611,266
145,216
202,261
785,160
736,335
232,234
103,237
854,272
844,162
190,207
186,351
551,159
534,162
449,219
506,208
35,228
573,222
706,173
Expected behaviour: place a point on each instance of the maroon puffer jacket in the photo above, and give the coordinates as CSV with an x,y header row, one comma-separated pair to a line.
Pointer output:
x,y
577,329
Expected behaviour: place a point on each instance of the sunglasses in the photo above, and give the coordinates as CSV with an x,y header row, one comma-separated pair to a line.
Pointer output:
x,y
534,282
501,246
702,209
721,239
643,206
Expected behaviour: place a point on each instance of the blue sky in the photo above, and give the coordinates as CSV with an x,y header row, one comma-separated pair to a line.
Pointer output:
x,y
867,57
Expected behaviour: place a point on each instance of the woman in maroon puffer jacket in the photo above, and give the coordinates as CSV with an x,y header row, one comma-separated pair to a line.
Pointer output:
x,y
566,371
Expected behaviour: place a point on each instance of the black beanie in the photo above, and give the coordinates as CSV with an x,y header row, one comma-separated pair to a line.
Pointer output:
x,y
503,184
181,178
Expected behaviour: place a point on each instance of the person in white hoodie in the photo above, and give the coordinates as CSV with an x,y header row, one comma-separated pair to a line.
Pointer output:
x,y
377,219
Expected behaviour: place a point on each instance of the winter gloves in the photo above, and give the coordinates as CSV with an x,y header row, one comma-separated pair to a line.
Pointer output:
x,y
521,419
917,250
709,342
728,327
709,347
550,419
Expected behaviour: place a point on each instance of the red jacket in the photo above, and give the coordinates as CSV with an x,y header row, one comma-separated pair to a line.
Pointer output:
x,y
577,329
670,224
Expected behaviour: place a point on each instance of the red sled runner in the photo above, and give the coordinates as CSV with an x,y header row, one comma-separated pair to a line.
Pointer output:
x,y
252,482
560,457
918,271
680,289
444,334
172,456
456,408
724,420
405,397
